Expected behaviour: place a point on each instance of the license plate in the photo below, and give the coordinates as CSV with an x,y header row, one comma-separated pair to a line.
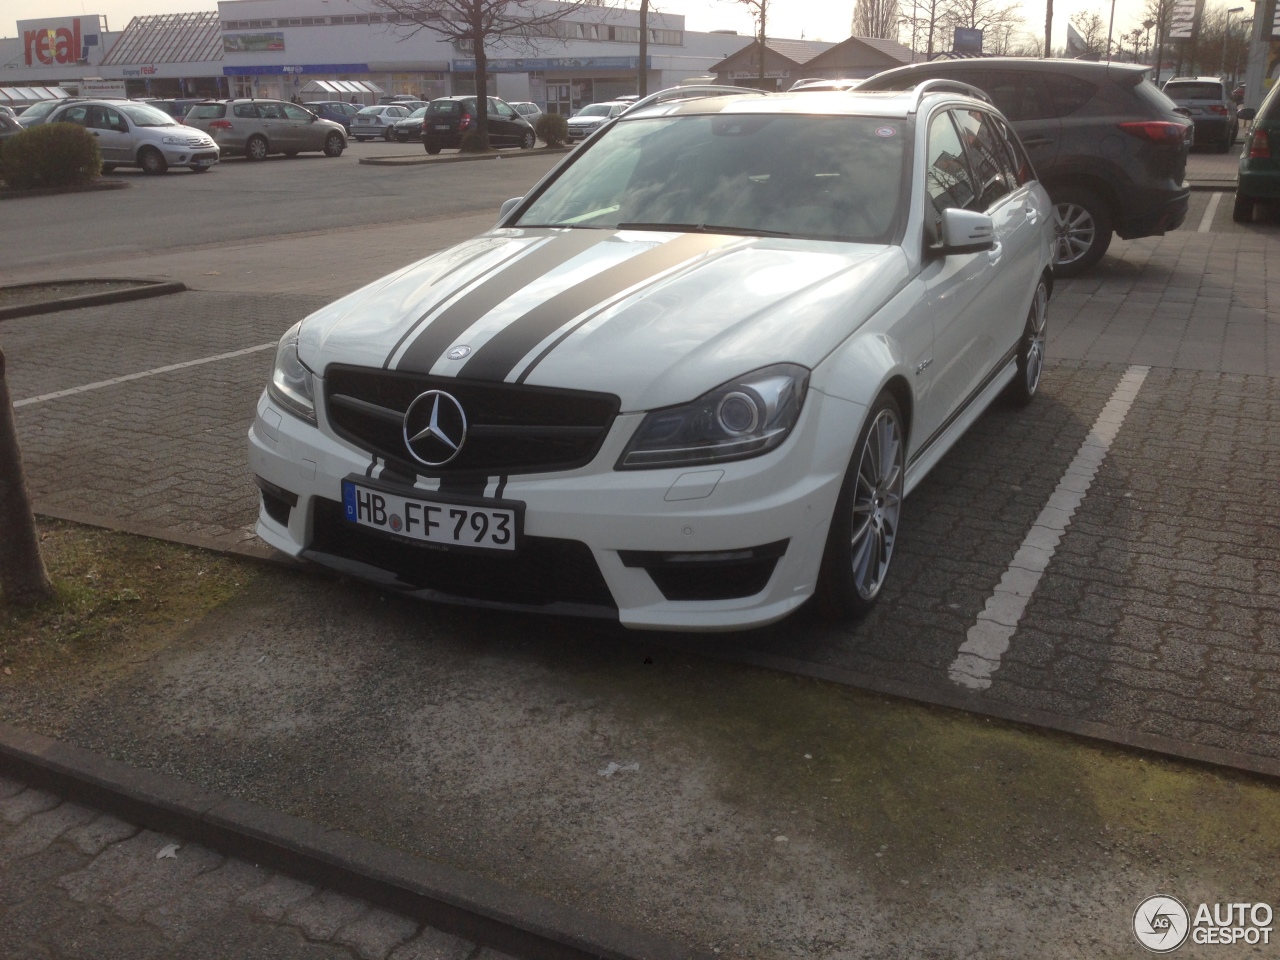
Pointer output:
x,y
204,163
442,126
492,527
362,120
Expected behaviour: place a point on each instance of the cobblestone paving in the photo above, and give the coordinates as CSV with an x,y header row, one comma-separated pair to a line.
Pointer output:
x,y
75,883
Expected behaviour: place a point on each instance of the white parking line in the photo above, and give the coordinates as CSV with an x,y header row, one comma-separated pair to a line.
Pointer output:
x,y
988,639
71,391
1207,220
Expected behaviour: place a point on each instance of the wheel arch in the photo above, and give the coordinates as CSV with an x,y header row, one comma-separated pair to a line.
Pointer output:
x,y
1084,181
899,388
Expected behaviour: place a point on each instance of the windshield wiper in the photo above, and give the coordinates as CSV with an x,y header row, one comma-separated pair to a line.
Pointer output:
x,y
702,228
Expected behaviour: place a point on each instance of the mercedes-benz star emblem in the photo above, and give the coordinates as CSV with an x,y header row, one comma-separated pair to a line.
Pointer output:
x,y
459,352
435,428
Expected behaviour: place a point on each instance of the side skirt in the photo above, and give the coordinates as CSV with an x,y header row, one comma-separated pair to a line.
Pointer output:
x,y
935,449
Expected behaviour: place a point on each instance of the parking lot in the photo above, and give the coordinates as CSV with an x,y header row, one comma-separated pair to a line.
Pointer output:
x,y
1156,619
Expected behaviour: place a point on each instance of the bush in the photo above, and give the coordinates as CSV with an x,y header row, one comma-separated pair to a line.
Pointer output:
x,y
473,141
552,129
50,155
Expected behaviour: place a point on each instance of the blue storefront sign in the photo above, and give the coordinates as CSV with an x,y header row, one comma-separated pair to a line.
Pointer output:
x,y
295,68
541,64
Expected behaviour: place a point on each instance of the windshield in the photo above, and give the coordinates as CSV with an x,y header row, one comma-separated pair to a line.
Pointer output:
x,y
42,108
593,110
742,174
145,116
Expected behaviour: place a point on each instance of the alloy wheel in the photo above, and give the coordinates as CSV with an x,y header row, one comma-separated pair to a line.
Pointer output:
x,y
1074,232
1036,321
877,503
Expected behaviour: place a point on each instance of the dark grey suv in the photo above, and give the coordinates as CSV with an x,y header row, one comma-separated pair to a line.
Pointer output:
x,y
1108,146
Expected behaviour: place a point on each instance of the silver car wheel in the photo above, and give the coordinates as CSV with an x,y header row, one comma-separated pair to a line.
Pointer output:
x,y
877,503
1036,321
1074,232
256,148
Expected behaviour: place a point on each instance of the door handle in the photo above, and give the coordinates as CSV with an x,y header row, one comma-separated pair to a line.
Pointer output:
x,y
1033,214
995,253
1036,141
95,133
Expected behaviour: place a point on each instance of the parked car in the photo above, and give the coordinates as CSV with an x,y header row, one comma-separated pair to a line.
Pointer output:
x,y
132,134
8,111
687,381
1211,108
530,111
335,110
1258,179
9,127
373,122
258,128
820,85
448,118
1108,146
584,123
410,128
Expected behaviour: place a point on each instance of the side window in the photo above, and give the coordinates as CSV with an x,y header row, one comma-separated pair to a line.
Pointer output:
x,y
1070,94
270,111
987,157
113,120
948,178
1019,96
1021,166
78,115
296,113
502,109
246,111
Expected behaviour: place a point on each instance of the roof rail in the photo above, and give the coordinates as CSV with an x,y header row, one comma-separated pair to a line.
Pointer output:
x,y
925,87
693,93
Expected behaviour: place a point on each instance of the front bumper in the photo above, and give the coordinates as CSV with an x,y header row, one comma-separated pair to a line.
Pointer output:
x,y
627,524
183,155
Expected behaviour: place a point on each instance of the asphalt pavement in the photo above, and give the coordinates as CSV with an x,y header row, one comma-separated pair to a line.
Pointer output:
x,y
1140,488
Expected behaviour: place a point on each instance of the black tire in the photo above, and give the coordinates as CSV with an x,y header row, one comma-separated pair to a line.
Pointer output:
x,y
201,169
1228,141
1083,224
432,148
152,161
290,154
864,525
108,167
334,145
361,139
528,140
1022,390
256,148
1242,212
388,135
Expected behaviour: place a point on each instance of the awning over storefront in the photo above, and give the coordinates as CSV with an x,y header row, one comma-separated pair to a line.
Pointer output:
x,y
28,95
342,86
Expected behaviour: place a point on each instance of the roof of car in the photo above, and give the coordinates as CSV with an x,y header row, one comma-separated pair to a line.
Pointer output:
x,y
875,103
1082,68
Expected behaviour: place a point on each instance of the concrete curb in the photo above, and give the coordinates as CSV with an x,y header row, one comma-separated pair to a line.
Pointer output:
x,y
461,157
1228,186
7,194
471,907
144,290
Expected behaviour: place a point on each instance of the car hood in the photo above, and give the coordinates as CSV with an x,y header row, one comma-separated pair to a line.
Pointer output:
x,y
653,318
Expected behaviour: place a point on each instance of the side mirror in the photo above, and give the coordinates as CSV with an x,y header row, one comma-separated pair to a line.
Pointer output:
x,y
507,207
964,231
1247,113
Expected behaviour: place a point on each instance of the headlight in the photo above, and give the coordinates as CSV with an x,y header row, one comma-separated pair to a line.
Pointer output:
x,y
745,418
292,385
171,140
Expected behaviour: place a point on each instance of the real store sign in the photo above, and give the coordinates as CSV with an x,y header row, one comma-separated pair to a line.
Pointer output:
x,y
63,41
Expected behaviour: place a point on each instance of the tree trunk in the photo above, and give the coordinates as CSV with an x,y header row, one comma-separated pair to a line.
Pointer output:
x,y
642,74
22,574
1048,28
482,89
763,8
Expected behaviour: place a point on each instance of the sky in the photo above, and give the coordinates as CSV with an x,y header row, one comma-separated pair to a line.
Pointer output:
x,y
812,19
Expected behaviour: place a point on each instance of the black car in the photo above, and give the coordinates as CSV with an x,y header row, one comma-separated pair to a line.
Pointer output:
x,y
410,128
449,118
1110,148
1211,107
176,108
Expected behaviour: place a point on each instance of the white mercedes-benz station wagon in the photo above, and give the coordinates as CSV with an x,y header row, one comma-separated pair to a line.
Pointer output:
x,y
688,379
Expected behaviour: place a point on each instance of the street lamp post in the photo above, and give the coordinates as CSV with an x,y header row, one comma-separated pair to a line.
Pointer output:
x,y
1226,37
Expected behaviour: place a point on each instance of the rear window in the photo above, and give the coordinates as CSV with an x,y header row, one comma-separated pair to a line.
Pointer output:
x,y
373,111
1195,91
445,108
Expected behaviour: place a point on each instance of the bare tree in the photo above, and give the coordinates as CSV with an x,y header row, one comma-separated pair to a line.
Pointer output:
x,y
759,9
990,16
876,18
1092,30
479,24
23,577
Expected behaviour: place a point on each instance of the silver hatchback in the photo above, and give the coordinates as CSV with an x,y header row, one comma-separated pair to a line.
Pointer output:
x,y
258,128
133,134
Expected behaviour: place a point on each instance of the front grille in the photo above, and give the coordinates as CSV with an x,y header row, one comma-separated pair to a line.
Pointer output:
x,y
545,571
511,428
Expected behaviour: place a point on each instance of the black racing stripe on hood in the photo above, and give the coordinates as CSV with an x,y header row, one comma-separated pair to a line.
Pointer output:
x,y
437,336
500,355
